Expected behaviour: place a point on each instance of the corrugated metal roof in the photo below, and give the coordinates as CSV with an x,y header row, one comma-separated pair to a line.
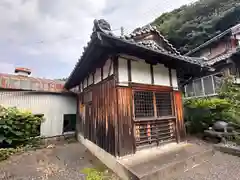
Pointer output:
x,y
10,81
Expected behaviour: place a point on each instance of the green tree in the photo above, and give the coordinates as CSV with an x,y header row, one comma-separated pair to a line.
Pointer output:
x,y
191,25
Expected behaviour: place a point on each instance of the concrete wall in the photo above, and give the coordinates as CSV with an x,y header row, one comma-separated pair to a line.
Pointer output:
x,y
53,106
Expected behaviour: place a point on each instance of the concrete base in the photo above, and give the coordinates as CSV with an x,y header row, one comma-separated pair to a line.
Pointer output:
x,y
110,161
155,163
235,151
166,162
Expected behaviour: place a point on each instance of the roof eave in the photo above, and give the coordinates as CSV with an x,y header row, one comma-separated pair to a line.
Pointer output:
x,y
214,39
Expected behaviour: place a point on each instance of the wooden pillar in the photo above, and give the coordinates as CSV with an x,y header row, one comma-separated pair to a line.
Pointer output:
x,y
181,130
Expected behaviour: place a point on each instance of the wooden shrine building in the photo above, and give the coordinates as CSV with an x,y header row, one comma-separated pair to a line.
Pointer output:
x,y
129,90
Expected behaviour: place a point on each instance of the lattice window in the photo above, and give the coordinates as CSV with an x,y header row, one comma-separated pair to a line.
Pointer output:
x,y
198,88
208,85
164,104
143,104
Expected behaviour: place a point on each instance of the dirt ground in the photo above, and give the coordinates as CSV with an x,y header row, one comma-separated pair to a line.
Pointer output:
x,y
60,162
66,161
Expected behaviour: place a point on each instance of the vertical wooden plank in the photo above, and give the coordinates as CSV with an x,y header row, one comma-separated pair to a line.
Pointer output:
x,y
126,134
115,69
170,76
179,114
152,74
155,105
129,71
102,73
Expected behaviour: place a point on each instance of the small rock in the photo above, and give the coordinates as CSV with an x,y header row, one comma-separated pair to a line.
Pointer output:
x,y
50,146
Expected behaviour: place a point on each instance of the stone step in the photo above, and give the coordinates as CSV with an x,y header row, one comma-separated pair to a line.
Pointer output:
x,y
170,163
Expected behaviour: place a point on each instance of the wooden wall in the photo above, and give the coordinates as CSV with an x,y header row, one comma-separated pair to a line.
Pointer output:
x,y
106,118
125,125
100,117
181,131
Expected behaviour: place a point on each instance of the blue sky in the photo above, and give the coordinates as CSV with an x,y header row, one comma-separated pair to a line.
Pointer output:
x,y
48,36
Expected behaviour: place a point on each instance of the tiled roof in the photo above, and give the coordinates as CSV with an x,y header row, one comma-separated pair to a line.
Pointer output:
x,y
102,28
148,29
154,46
233,30
219,58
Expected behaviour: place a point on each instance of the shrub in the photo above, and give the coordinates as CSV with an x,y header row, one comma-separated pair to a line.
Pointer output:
x,y
17,127
203,112
6,152
92,174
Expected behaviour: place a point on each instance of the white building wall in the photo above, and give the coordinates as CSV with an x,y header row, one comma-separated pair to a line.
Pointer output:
x,y
141,72
161,75
85,82
107,68
53,106
90,79
174,79
122,72
97,76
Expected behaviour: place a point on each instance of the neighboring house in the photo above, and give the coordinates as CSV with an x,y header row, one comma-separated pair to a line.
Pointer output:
x,y
221,53
130,96
42,97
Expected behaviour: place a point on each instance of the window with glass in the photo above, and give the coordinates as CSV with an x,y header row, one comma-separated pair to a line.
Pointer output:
x,y
205,86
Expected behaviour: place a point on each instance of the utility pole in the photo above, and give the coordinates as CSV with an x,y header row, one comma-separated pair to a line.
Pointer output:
x,y
122,31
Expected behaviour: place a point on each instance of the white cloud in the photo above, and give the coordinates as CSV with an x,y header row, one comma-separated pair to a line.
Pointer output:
x,y
57,30
6,67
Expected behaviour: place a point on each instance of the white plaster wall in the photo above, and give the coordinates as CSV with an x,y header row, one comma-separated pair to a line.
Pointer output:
x,y
80,87
174,79
141,72
122,71
106,68
85,83
161,75
97,75
53,106
90,79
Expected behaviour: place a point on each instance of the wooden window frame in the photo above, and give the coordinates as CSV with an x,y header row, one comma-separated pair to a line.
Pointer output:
x,y
155,116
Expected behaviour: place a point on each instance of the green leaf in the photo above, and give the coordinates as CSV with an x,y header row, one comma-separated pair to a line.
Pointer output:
x,y
9,141
2,138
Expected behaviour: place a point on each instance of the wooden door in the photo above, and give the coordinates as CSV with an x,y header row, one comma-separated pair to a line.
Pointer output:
x,y
88,119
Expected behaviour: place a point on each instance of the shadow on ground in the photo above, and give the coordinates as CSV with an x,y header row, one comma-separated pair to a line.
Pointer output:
x,y
62,162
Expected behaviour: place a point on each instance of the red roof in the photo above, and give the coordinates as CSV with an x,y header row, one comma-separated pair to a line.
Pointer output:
x,y
10,81
20,69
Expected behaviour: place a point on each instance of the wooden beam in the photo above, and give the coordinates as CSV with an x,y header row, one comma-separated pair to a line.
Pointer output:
x,y
115,68
129,71
102,72
170,76
152,74
137,86
93,75
154,105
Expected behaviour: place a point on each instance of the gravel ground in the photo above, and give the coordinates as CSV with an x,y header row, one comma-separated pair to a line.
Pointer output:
x,y
219,167
65,162
61,162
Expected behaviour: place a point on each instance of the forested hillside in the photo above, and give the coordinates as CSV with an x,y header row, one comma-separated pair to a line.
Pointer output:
x,y
191,25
